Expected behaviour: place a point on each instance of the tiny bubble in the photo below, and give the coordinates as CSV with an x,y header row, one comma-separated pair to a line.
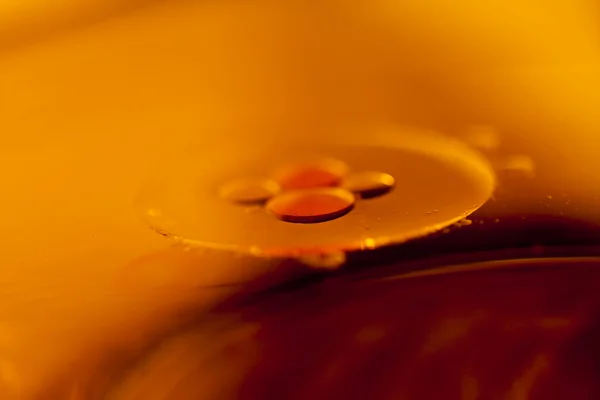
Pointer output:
x,y
369,243
464,222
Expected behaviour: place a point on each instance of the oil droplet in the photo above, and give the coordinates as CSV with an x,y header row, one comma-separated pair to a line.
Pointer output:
x,y
436,173
520,163
369,243
249,190
311,174
328,261
311,205
464,222
483,137
369,184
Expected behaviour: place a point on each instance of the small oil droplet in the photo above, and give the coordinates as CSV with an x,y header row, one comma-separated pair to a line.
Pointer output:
x,y
249,190
464,222
369,184
369,243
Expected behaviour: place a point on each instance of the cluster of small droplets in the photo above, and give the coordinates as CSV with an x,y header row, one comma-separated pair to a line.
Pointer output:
x,y
309,192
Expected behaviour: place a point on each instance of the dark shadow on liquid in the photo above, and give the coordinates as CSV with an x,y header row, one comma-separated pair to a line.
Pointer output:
x,y
348,334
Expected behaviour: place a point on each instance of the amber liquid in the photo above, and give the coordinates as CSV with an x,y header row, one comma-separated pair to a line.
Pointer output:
x,y
517,329
501,308
94,305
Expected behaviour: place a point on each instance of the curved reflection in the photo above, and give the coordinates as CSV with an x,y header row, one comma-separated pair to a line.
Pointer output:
x,y
512,330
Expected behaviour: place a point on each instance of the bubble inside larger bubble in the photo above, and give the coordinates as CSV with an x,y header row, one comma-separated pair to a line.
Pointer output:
x,y
310,174
311,205
369,184
431,172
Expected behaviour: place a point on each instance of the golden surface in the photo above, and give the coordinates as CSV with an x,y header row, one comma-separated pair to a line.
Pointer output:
x,y
84,114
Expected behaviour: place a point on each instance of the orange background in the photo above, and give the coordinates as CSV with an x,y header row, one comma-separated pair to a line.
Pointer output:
x,y
87,108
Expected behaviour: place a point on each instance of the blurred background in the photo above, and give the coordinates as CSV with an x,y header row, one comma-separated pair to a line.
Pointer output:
x,y
93,94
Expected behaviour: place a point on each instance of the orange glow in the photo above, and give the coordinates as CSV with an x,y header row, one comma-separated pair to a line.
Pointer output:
x,y
86,113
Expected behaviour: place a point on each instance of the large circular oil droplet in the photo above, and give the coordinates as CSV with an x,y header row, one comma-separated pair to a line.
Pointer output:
x,y
310,174
431,172
369,184
311,205
249,190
